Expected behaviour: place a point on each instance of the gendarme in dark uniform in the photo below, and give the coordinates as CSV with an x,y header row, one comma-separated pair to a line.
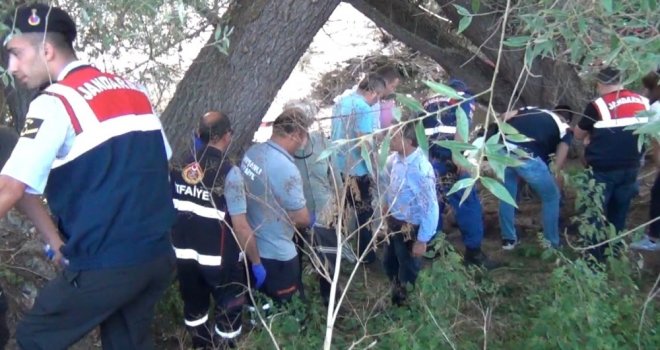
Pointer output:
x,y
93,144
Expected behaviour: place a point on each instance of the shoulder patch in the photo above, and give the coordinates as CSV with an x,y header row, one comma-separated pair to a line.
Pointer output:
x,y
193,173
31,128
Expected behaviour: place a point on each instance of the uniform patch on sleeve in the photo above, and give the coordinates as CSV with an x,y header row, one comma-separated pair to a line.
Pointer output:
x,y
31,128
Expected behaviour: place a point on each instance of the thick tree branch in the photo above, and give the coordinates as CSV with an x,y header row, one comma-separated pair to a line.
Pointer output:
x,y
546,83
427,34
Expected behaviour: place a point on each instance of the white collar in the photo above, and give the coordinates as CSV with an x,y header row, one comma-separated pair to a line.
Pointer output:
x,y
69,67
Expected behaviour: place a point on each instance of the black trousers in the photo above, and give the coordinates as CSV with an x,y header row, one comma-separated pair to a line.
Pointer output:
x,y
359,197
120,300
654,229
399,264
323,240
4,330
226,284
283,279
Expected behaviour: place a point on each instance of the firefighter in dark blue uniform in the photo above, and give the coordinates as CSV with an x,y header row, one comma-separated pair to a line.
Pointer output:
x,y
209,259
442,126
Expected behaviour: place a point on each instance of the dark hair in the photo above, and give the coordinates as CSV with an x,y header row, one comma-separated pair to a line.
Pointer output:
x,y
291,121
58,40
214,129
650,81
372,83
388,73
408,131
565,111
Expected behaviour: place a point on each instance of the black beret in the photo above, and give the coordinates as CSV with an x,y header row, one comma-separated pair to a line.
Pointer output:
x,y
41,18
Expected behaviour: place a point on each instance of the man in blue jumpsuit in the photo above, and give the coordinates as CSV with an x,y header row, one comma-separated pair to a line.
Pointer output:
x,y
94,146
442,126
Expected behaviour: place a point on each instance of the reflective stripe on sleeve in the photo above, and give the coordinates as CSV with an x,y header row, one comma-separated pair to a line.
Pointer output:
x,y
617,123
440,129
197,209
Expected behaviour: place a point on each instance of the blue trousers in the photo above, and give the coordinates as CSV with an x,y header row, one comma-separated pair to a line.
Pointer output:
x,y
469,215
537,174
621,187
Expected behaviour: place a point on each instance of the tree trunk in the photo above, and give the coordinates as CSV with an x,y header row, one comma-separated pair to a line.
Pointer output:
x,y
269,38
427,34
550,82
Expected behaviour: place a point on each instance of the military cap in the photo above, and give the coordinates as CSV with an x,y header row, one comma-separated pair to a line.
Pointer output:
x,y
41,18
609,75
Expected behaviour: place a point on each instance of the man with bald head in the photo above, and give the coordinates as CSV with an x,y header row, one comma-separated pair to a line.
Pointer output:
x,y
209,259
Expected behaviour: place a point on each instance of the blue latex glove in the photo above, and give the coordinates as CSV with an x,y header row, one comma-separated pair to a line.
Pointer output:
x,y
199,145
50,253
312,219
259,272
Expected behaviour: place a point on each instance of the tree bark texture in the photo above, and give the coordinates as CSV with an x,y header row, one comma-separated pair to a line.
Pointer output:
x,y
546,84
435,38
268,39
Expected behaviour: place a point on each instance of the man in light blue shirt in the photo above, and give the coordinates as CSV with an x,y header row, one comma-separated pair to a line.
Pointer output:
x,y
276,204
353,118
412,209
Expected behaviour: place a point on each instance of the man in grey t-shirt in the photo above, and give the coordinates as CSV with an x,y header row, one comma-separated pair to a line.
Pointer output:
x,y
276,204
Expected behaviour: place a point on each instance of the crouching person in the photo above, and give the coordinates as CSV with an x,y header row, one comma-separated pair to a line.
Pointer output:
x,y
412,209
209,262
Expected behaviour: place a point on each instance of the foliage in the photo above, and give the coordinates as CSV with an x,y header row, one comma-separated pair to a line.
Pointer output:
x,y
148,40
563,305
584,33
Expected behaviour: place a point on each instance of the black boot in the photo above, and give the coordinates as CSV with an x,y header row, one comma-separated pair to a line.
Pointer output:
x,y
476,257
399,294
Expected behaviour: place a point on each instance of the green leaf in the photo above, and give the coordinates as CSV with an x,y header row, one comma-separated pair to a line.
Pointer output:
x,y
463,24
650,128
503,159
498,168
410,103
493,139
364,153
607,4
463,162
493,148
461,184
396,112
462,10
462,125
517,41
384,151
496,188
520,152
475,5
507,129
325,154
641,139
518,138
443,90
456,145
422,141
